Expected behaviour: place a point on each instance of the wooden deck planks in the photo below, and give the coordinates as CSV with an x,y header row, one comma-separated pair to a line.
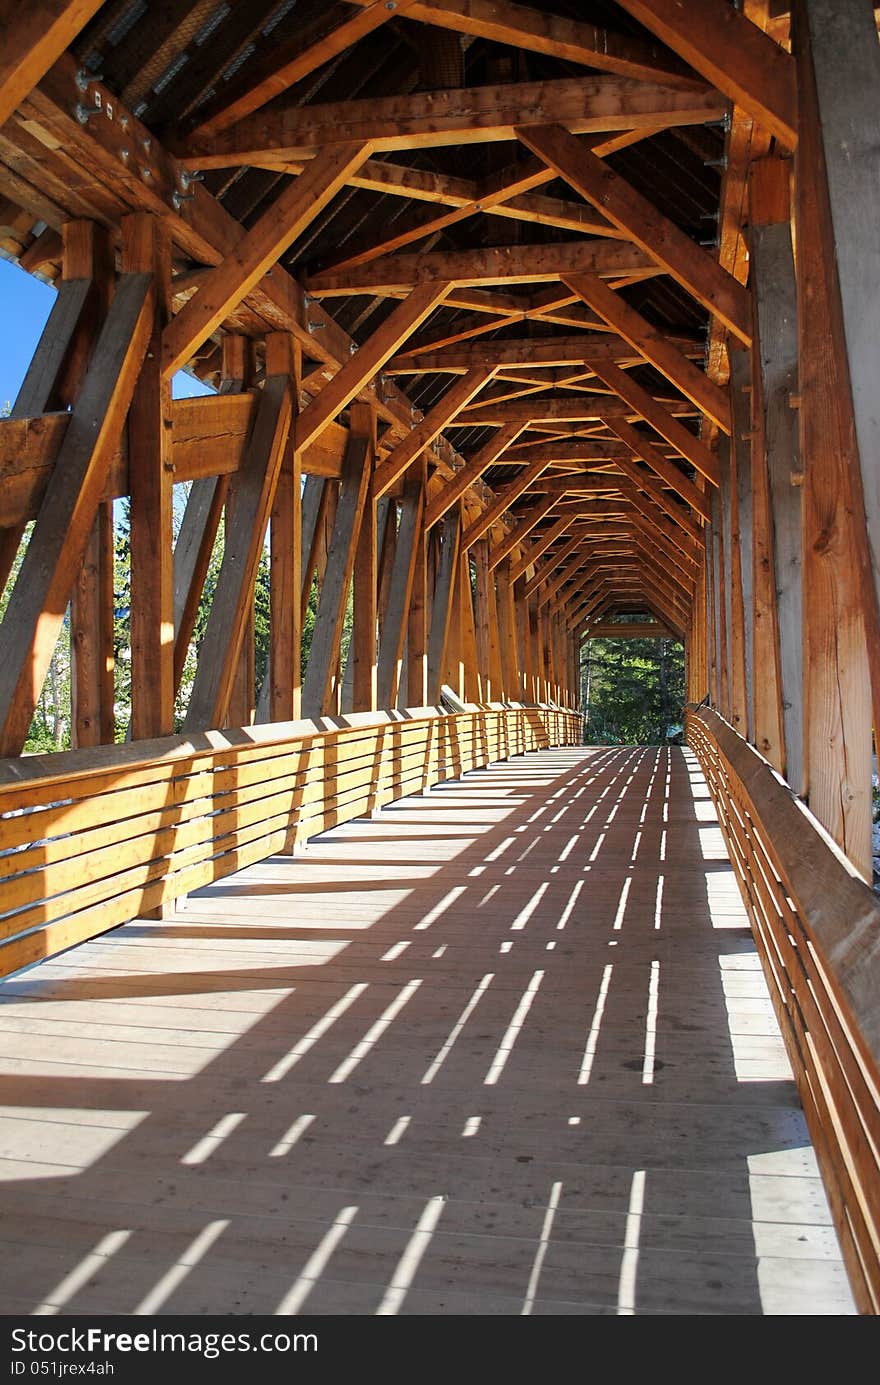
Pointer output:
x,y
191,1108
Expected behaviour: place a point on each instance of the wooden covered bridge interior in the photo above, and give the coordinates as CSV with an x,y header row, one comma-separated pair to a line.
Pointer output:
x,y
355,983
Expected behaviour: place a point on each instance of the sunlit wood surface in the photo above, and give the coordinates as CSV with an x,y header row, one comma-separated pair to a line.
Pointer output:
x,y
504,1049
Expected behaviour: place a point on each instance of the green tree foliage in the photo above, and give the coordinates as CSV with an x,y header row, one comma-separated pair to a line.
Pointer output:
x,y
633,691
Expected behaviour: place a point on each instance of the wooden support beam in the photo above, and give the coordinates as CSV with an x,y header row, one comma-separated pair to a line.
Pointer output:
x,y
522,26
730,52
464,479
424,433
708,397
537,549
512,687
659,237
367,361
486,625
691,448
287,63
667,471
554,565
528,352
233,597
441,608
774,393
88,254
394,629
845,58
505,264
259,248
202,229
454,116
586,408
629,630
36,607
146,249
741,394
192,556
417,617
320,675
284,357
34,37
840,634
494,511
522,529
363,651
647,513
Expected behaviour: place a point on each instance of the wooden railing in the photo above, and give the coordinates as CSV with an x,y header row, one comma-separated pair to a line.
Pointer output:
x,y
90,839
817,927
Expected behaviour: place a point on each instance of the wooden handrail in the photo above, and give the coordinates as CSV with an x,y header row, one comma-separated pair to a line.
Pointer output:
x,y
817,928
91,839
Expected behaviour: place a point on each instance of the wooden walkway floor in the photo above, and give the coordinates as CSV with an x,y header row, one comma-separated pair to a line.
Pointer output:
x,y
504,1049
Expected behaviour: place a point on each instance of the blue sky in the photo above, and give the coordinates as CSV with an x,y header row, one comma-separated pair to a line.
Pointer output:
x,y
26,304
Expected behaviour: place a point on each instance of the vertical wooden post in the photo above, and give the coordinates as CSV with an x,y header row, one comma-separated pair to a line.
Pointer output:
x,y
363,639
511,689
88,254
284,357
776,397
394,621
741,477
321,682
146,249
839,598
483,619
417,627
467,635
237,365
845,58
445,587
736,669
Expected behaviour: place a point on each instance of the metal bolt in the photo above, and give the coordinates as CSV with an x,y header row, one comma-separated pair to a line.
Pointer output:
x,y
178,198
84,79
146,173
124,121
125,154
85,113
315,327
147,143
185,177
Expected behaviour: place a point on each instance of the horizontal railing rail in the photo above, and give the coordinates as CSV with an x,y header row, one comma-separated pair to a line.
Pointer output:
x,y
90,839
817,927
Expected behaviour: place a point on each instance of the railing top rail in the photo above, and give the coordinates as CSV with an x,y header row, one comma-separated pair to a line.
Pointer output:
x,y
840,912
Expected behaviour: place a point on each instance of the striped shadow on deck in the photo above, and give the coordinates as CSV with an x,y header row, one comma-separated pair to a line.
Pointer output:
x,y
505,1048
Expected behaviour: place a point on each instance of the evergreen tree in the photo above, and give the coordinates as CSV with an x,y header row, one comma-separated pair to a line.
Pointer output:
x,y
633,691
